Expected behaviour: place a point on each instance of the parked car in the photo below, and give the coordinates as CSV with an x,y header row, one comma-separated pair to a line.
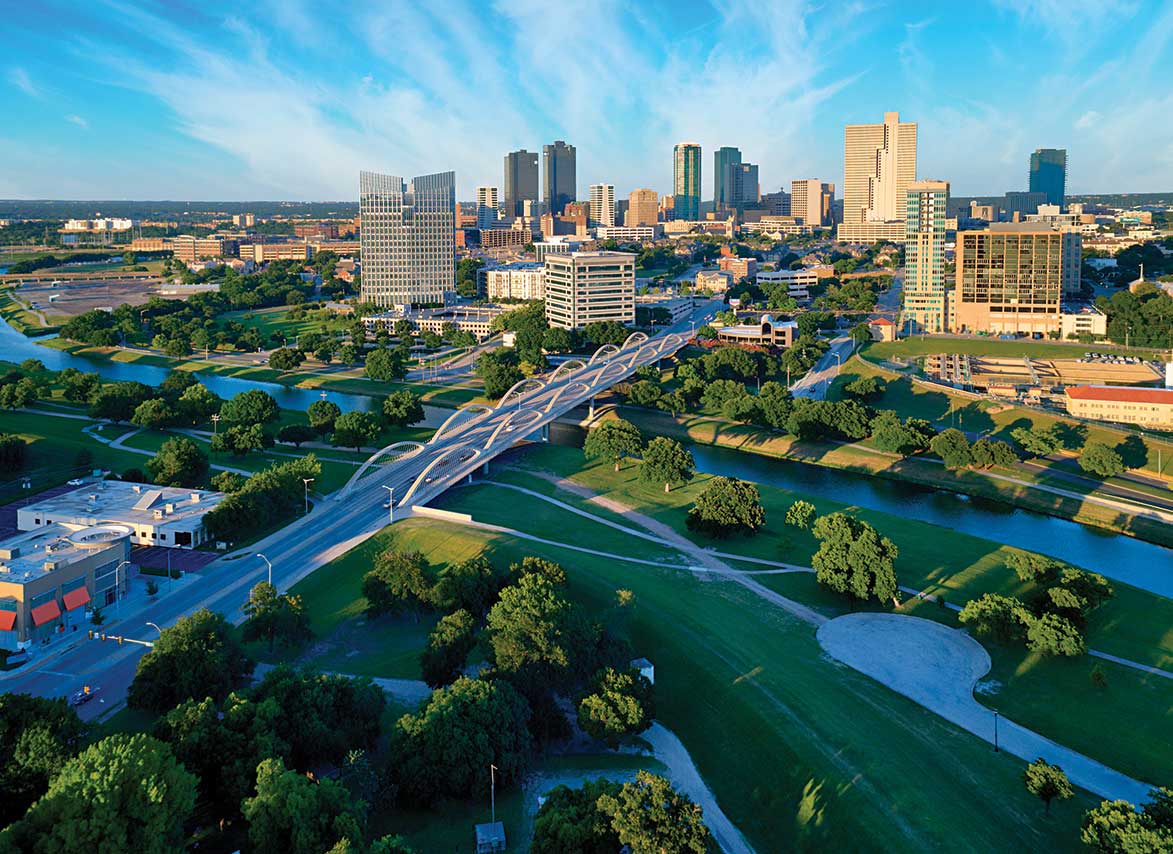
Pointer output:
x,y
77,481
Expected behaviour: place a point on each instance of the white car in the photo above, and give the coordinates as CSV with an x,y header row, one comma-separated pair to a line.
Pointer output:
x,y
77,481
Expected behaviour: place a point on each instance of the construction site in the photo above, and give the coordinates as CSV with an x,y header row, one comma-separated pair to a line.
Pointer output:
x,y
1030,377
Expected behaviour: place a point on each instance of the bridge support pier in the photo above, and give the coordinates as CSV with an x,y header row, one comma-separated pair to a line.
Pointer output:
x,y
545,434
484,471
470,478
591,414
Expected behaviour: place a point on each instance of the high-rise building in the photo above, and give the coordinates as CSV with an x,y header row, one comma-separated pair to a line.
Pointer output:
x,y
408,239
686,180
740,186
588,287
723,157
486,207
1022,203
879,162
521,181
602,205
1048,174
643,208
561,180
811,200
1011,278
926,297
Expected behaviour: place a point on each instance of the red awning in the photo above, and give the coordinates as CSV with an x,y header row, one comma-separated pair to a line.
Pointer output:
x,y
7,621
76,598
44,613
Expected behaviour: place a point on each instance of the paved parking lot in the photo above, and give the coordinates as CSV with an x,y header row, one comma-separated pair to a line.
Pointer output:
x,y
156,557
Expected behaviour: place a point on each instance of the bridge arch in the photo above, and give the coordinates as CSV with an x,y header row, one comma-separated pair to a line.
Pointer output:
x,y
521,387
561,370
648,349
464,410
610,366
404,449
633,339
566,389
422,478
675,340
604,352
509,419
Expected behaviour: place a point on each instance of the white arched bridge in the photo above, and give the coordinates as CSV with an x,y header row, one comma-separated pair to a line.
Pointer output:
x,y
408,473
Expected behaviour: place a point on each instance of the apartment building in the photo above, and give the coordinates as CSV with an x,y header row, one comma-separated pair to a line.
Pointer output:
x,y
587,287
515,281
602,205
926,306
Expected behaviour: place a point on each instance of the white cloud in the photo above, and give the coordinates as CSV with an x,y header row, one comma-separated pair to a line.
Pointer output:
x,y
73,118
19,78
1088,120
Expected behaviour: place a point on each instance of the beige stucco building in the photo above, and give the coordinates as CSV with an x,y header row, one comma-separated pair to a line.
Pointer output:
x,y
589,287
1151,408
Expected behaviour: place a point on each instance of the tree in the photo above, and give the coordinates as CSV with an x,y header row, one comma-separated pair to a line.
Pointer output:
x,y
853,558
294,813
987,453
471,585
1118,827
1047,782
554,572
397,579
295,434
224,481
619,705
322,414
666,461
1052,634
613,440
38,736
644,393
79,387
653,818
953,449
276,618
178,462
533,626
401,408
1030,566
445,749
197,404
1098,459
118,402
1002,617
199,656
570,820
673,402
355,429
800,514
286,359
449,644
727,506
557,340
175,383
240,440
251,407
866,389
1037,441
13,452
153,414
145,797
382,364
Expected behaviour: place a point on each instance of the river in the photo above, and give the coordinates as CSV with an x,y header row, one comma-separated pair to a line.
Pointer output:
x,y
1136,562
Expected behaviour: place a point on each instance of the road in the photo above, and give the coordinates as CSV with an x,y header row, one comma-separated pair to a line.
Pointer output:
x,y
818,379
456,451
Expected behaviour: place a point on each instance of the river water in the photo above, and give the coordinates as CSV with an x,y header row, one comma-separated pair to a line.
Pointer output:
x,y
1123,558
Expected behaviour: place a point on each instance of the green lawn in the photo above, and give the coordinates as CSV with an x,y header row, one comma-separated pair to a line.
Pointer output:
x,y
20,318
926,346
268,321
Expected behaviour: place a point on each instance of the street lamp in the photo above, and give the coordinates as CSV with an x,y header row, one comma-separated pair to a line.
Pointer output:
x,y
266,560
995,730
390,503
118,588
155,626
307,481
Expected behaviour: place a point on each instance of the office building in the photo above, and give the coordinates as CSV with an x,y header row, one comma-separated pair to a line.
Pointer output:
x,y
643,208
521,182
740,186
602,205
798,282
408,238
879,162
515,281
1019,204
263,253
713,281
766,333
667,208
561,180
926,297
589,287
188,249
629,233
778,204
486,207
1012,277
741,268
811,201
723,157
504,238
1048,174
556,245
244,220
1149,408
988,213
686,181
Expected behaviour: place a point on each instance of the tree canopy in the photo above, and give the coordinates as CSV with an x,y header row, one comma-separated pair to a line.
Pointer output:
x,y
613,440
727,506
178,462
854,558
651,816
666,461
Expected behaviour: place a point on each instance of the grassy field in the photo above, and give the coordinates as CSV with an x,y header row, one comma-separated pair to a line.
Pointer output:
x,y
913,347
270,321
19,317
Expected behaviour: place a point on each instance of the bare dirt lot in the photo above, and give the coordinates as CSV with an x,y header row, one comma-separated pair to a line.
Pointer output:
x,y
76,296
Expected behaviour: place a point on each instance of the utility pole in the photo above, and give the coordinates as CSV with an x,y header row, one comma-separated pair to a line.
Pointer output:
x,y
493,792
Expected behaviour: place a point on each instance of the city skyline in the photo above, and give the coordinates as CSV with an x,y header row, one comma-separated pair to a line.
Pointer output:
x,y
204,106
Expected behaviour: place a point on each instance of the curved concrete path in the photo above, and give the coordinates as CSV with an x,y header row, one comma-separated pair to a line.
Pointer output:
x,y
937,667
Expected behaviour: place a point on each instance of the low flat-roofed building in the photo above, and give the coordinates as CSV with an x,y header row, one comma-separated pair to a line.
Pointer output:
x,y
155,515
798,282
1146,407
477,320
765,333
49,576
556,245
714,281
677,307
262,253
1076,321
629,233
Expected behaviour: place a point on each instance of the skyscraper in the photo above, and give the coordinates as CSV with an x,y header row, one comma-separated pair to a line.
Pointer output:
x,y
686,180
602,201
486,207
408,238
521,181
811,201
740,186
643,208
926,298
723,157
558,170
879,162
1048,174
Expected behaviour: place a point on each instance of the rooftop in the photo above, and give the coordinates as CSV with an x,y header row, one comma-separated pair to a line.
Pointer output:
x,y
30,555
1123,394
132,503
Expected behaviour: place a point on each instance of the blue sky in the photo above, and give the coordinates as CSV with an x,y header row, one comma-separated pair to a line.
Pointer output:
x,y
284,99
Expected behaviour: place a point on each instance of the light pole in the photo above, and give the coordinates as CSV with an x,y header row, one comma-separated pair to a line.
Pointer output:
x,y
390,503
118,588
307,481
266,560
838,363
155,627
995,730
